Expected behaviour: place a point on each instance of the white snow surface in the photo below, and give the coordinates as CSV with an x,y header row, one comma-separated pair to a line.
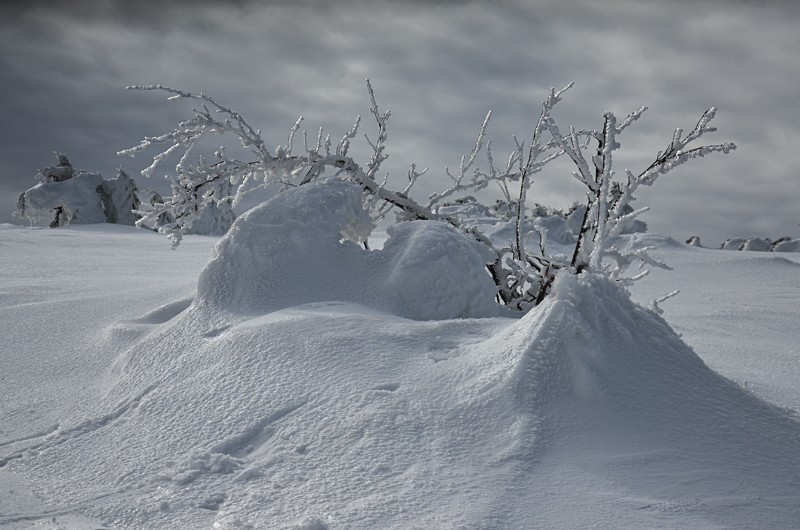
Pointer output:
x,y
299,248
267,394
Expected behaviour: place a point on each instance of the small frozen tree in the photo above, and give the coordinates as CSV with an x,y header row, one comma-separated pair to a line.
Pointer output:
x,y
523,276
67,196
119,198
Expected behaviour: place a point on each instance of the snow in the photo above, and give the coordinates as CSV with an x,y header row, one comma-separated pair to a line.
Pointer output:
x,y
84,198
299,248
121,199
77,196
790,245
301,381
213,221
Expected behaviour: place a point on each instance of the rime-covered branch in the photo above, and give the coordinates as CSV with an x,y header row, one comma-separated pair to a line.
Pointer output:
x,y
523,277
537,159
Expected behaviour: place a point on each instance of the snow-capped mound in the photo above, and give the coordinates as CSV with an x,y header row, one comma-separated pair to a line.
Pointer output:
x,y
756,244
783,244
620,395
119,199
787,245
65,196
430,271
72,201
344,417
299,248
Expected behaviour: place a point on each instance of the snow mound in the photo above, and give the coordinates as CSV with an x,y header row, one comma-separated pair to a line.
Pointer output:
x,y
783,244
628,403
293,392
80,198
789,245
300,248
335,415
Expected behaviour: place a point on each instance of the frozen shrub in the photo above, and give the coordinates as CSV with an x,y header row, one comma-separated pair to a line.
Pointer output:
x,y
782,244
522,267
756,244
66,196
786,245
119,198
694,241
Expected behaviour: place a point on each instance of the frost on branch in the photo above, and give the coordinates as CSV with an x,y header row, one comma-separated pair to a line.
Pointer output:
x,y
608,211
523,249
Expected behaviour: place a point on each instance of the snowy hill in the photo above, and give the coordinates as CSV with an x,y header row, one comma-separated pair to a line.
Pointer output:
x,y
126,405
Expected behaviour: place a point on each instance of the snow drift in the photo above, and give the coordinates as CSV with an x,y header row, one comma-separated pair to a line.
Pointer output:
x,y
300,247
337,416
285,411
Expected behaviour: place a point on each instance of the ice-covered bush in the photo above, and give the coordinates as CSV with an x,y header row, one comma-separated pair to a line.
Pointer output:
x,y
785,244
782,244
67,196
119,198
521,259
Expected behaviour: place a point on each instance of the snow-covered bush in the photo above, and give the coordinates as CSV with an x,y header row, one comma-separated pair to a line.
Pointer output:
x,y
300,247
522,266
149,196
67,196
118,196
783,244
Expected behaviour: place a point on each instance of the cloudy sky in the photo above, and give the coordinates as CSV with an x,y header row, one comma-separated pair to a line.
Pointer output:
x,y
439,66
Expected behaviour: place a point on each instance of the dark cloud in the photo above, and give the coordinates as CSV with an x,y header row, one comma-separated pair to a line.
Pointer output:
x,y
439,66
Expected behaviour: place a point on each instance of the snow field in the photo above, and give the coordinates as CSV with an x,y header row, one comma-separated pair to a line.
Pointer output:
x,y
294,391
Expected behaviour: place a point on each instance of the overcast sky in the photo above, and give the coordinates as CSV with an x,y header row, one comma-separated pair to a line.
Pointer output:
x,y
439,66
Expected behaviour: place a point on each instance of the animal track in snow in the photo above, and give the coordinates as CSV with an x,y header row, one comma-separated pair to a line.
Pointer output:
x,y
55,437
227,456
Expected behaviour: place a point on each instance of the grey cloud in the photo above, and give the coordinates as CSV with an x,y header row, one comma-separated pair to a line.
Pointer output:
x,y
439,66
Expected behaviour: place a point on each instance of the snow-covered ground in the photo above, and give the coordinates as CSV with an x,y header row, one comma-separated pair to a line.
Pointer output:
x,y
124,405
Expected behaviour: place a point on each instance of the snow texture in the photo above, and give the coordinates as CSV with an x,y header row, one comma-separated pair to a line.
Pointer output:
x,y
294,409
299,247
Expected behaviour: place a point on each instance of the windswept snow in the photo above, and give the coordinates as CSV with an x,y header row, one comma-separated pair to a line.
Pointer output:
x,y
738,311
298,403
